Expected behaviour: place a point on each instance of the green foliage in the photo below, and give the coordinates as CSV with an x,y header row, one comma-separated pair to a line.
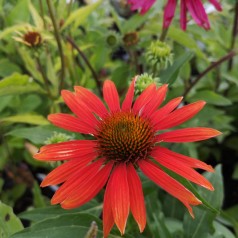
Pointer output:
x,y
77,52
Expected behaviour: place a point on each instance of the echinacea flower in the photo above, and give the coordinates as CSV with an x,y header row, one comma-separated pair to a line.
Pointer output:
x,y
196,9
142,5
124,138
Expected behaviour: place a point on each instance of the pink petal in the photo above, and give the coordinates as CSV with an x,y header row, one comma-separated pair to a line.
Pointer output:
x,y
216,4
169,11
188,135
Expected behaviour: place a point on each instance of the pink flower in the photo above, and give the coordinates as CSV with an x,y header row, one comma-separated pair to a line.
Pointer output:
x,y
196,9
142,5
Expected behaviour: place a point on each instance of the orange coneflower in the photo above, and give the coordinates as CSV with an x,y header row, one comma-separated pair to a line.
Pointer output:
x,y
124,138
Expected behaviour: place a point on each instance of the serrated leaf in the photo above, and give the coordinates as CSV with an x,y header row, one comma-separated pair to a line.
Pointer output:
x,y
9,222
211,97
171,73
80,15
203,222
26,118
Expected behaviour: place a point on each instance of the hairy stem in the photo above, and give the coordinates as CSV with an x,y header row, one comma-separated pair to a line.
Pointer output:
x,y
95,76
58,40
229,56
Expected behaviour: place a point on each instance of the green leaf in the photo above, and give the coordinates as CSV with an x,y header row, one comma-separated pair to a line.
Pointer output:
x,y
36,17
221,230
39,214
203,222
37,134
7,68
26,118
14,28
171,73
39,200
211,97
186,40
17,84
9,223
80,15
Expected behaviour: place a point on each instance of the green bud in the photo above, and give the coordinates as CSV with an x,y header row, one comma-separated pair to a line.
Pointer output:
x,y
143,81
57,137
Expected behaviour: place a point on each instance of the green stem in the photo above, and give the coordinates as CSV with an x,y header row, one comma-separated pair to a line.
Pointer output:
x,y
164,34
58,40
95,76
229,56
234,35
42,12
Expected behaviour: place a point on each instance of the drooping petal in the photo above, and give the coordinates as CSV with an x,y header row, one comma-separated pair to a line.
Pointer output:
x,y
142,5
181,169
75,180
166,109
91,100
180,115
216,4
169,184
144,98
66,170
120,199
169,11
155,101
71,123
183,15
80,109
108,220
186,160
88,188
137,203
126,105
111,96
188,135
67,150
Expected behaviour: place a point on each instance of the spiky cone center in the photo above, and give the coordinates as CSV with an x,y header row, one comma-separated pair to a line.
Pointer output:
x,y
131,38
125,137
32,38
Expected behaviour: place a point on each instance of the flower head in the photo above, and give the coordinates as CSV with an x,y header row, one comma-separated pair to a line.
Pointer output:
x,y
124,138
196,9
30,38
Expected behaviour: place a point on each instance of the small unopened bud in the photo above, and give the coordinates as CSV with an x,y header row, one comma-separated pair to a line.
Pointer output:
x,y
131,38
112,39
159,53
143,81
57,137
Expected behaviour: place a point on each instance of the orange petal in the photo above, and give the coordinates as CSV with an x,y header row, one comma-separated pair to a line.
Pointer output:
x,y
193,163
88,188
67,150
179,116
155,101
108,220
188,135
137,202
181,169
120,200
163,111
80,109
144,98
169,184
75,180
110,95
71,123
65,171
126,105
91,100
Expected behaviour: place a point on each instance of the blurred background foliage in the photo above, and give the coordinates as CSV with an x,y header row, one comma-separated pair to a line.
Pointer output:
x,y
46,46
